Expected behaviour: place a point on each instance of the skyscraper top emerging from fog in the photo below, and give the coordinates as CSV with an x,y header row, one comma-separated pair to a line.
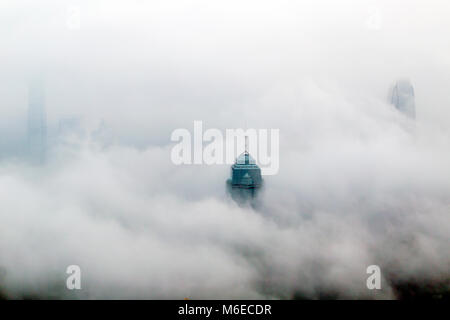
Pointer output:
x,y
245,179
245,173
403,98
37,126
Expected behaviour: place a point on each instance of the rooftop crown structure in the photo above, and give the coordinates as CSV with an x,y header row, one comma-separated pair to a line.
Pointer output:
x,y
245,173
245,178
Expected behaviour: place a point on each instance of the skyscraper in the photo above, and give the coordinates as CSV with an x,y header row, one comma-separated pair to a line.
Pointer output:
x,y
245,179
403,98
37,126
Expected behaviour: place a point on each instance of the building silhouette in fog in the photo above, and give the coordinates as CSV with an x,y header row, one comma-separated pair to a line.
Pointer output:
x,y
403,98
37,122
246,180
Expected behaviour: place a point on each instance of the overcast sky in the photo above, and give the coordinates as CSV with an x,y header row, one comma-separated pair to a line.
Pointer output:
x,y
359,183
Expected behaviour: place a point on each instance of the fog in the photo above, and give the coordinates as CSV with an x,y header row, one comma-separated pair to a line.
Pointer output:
x,y
359,183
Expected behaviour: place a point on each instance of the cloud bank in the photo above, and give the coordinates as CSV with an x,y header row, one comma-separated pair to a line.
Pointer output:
x,y
359,183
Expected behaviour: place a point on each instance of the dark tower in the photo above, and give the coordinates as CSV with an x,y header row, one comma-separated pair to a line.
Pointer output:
x,y
403,98
245,180
37,127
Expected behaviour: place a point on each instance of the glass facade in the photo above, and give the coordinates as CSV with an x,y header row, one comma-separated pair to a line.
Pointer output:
x,y
403,98
245,179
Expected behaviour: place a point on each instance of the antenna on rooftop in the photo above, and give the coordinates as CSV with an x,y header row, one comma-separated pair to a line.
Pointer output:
x,y
246,144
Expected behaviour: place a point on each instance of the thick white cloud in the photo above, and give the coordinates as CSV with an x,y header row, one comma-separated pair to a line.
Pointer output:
x,y
359,184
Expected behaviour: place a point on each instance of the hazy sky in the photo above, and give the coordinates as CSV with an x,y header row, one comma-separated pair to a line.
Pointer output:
x,y
358,184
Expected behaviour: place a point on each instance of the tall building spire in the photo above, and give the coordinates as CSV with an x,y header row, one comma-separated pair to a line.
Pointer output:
x,y
246,144
245,178
37,122
403,98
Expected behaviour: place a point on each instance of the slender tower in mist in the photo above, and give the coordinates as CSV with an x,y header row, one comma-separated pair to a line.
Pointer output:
x,y
245,178
37,126
403,98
